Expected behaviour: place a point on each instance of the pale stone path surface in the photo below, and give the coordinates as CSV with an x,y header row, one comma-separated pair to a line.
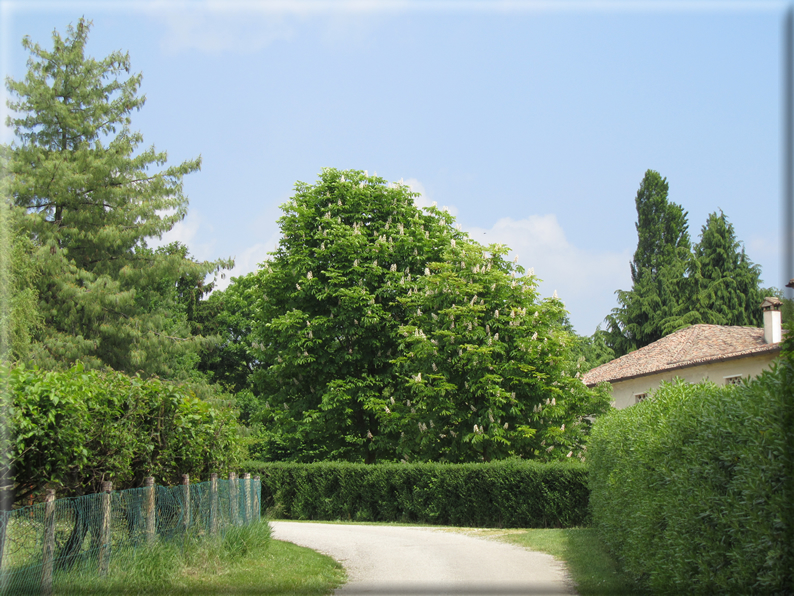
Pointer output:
x,y
397,560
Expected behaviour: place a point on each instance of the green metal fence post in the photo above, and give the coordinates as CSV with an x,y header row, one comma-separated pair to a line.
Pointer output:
x,y
49,543
104,528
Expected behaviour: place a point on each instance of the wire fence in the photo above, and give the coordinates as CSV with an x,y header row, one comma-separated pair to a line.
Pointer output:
x,y
87,536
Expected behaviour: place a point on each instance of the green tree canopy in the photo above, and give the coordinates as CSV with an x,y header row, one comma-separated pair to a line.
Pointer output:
x,y
91,199
725,283
674,285
657,297
383,332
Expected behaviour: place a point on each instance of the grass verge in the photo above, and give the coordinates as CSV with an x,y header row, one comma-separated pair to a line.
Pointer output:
x,y
592,569
245,561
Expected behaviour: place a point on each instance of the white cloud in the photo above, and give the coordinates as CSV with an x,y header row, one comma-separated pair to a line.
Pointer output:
x,y
423,200
584,280
248,261
187,232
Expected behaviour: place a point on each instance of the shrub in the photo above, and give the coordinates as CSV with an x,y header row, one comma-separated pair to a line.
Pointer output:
x,y
688,489
76,428
510,493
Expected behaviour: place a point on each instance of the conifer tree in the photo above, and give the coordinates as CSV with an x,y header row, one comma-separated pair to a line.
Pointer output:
x,y
91,200
656,303
725,283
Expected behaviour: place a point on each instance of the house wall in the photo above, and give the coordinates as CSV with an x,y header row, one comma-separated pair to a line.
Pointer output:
x,y
624,392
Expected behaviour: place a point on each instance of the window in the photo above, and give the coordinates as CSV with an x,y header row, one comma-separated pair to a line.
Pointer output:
x,y
638,397
733,380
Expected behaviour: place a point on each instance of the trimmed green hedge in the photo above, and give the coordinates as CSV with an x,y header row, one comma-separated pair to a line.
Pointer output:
x,y
689,488
500,494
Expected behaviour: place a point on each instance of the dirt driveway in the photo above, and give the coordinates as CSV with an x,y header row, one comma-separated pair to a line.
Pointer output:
x,y
397,560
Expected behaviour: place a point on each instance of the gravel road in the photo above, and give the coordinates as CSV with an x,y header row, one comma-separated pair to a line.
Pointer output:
x,y
397,560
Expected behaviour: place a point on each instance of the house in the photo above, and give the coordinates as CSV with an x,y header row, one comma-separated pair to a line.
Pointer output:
x,y
720,353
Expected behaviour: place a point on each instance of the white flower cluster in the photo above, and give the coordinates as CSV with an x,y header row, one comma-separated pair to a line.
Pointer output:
x,y
309,275
393,267
418,379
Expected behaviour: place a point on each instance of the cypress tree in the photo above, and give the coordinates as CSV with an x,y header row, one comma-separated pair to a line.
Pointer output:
x,y
656,301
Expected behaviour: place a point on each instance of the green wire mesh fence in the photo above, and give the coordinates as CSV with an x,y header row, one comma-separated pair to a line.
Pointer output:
x,y
87,536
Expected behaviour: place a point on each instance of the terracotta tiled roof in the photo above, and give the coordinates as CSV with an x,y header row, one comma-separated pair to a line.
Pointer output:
x,y
697,344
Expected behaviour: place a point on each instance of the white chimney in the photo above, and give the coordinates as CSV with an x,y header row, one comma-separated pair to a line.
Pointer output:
x,y
772,320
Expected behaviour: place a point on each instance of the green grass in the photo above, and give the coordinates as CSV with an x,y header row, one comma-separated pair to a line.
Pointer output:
x,y
591,567
245,561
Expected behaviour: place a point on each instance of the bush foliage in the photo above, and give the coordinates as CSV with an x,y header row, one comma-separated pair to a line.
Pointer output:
x,y
379,331
76,428
508,493
689,489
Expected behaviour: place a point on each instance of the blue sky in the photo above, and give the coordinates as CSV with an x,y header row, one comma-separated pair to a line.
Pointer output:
x,y
533,121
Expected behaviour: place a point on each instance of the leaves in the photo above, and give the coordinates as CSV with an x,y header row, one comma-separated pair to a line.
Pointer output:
x,y
89,198
674,285
75,428
400,307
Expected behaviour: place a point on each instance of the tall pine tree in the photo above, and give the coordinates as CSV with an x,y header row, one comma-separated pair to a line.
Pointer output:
x,y
656,301
724,282
90,201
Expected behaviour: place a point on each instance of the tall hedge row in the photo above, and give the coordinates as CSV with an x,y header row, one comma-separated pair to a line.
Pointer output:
x,y
73,429
691,489
500,494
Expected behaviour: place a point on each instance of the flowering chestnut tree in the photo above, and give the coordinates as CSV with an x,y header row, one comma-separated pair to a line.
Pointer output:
x,y
383,332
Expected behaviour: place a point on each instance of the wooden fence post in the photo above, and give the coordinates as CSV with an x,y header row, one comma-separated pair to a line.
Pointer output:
x,y
149,510
248,509
213,504
104,527
186,487
233,498
257,504
49,543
